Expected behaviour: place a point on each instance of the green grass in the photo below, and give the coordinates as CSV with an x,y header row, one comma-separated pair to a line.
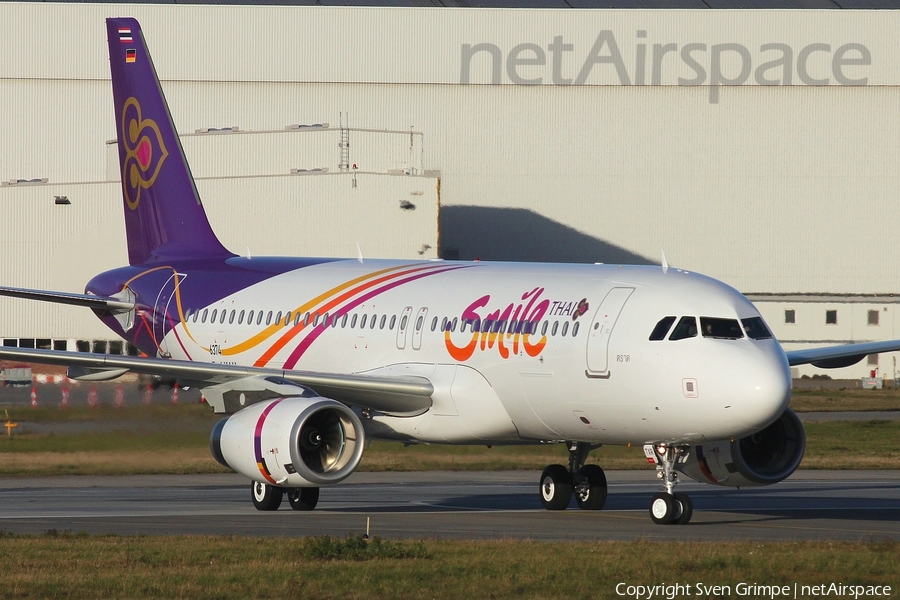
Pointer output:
x,y
827,400
61,565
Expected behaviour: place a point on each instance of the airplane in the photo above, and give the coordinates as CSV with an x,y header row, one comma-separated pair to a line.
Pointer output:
x,y
312,357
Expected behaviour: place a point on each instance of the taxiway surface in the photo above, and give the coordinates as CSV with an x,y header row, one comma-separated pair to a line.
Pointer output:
x,y
811,505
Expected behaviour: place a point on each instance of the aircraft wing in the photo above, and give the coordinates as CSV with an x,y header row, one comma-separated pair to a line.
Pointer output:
x,y
393,395
835,357
115,304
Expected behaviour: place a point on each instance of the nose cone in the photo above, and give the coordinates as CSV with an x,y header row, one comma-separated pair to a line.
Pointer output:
x,y
763,390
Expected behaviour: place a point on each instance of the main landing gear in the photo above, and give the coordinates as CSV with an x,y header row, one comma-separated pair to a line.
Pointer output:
x,y
669,506
268,497
587,482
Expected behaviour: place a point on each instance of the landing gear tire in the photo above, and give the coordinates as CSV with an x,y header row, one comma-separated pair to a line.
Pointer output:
x,y
687,508
303,498
591,492
266,497
663,509
556,488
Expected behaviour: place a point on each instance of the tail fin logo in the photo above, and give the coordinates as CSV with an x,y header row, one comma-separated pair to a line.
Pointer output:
x,y
145,152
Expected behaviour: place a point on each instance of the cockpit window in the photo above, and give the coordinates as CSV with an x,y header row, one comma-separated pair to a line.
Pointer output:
x,y
756,328
727,329
686,328
661,329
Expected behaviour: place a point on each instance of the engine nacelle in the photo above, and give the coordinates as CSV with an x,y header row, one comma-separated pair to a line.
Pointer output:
x,y
290,442
764,458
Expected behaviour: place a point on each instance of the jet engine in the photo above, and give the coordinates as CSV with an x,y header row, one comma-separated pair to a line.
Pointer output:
x,y
290,442
764,458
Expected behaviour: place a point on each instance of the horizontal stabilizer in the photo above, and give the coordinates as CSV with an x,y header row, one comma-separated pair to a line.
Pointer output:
x,y
112,304
835,357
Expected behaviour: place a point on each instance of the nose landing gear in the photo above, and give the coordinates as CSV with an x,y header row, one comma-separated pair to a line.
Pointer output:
x,y
587,482
668,506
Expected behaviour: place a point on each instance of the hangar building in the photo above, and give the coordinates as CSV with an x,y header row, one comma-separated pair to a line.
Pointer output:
x,y
755,146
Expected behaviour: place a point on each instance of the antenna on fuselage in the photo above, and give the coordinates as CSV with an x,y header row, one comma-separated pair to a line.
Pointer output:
x,y
359,255
665,264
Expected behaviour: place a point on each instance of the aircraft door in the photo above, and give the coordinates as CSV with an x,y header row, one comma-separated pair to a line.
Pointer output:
x,y
403,327
601,329
163,321
418,326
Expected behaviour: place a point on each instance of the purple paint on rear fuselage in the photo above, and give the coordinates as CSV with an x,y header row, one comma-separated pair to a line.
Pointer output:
x,y
200,283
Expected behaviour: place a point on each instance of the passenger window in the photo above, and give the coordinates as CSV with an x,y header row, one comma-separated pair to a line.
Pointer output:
x,y
306,319
565,329
205,313
353,322
555,328
344,320
373,321
434,323
250,318
723,329
686,328
419,322
222,318
277,318
212,319
444,324
316,320
362,324
287,319
662,328
241,318
297,319
393,322
259,317
231,318
575,328
756,328
382,322
325,320
544,327
403,322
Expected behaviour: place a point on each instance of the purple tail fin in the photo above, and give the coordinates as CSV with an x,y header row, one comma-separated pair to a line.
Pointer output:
x,y
164,218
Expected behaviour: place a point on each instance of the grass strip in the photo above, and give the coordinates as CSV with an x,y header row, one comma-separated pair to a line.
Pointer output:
x,y
871,444
60,565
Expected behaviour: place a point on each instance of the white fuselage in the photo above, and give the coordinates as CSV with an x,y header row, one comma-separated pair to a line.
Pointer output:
x,y
582,368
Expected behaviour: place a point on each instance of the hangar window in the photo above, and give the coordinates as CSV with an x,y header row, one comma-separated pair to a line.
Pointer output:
x,y
873,317
831,317
662,328
723,329
872,360
790,316
686,328
756,328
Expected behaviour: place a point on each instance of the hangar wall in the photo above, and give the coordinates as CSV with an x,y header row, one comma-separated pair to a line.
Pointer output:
x,y
607,134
